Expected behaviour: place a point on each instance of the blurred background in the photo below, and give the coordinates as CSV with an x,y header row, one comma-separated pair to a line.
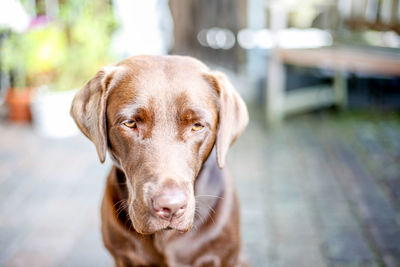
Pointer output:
x,y
317,170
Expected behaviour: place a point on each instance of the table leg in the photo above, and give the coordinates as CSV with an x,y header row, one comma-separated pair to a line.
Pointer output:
x,y
275,90
340,89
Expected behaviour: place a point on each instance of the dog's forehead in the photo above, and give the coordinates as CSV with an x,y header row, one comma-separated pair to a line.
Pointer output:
x,y
160,73
161,82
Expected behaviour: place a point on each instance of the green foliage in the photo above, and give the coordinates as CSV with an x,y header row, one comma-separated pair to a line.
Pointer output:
x,y
13,58
65,52
89,27
33,54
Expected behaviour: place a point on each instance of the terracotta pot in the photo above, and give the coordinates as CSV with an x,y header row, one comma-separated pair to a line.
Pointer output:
x,y
19,102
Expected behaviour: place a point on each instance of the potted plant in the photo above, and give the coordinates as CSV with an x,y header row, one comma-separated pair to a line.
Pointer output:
x,y
55,57
87,28
19,94
31,59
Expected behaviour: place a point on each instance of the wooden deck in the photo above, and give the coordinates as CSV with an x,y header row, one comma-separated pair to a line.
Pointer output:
x,y
321,190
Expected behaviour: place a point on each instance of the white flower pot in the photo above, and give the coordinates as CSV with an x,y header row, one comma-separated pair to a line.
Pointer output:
x,y
50,112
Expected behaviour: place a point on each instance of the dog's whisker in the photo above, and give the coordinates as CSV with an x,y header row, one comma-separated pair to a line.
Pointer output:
x,y
127,222
119,210
212,210
201,217
208,206
119,202
209,214
122,207
130,227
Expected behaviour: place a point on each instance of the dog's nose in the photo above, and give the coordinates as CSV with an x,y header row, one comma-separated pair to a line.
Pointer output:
x,y
170,203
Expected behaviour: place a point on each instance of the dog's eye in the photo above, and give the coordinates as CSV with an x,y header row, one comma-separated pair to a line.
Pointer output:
x,y
130,124
197,127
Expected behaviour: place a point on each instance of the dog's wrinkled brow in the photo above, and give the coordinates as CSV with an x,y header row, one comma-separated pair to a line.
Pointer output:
x,y
133,111
144,113
195,114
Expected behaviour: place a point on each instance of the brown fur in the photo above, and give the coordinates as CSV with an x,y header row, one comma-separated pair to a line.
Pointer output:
x,y
165,96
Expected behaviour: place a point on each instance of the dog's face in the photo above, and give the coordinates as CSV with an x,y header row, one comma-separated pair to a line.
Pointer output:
x,y
161,128
159,118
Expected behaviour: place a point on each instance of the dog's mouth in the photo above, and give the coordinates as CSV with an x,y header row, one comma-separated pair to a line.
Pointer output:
x,y
169,228
154,225
174,226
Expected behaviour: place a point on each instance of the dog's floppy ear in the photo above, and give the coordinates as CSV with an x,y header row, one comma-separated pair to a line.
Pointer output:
x,y
233,115
89,107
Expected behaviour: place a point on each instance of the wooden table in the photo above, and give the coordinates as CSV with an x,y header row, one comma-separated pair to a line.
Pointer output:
x,y
339,59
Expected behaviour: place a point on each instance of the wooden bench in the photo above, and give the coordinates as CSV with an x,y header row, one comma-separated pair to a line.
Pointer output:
x,y
338,59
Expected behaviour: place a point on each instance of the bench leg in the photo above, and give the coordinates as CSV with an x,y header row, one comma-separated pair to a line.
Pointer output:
x,y
275,90
340,89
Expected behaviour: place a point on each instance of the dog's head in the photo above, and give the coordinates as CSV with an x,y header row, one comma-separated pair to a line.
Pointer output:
x,y
159,118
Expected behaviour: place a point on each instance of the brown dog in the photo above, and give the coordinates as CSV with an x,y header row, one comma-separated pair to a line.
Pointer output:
x,y
167,123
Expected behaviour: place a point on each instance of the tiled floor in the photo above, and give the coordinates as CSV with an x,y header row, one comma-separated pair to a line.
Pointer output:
x,y
321,190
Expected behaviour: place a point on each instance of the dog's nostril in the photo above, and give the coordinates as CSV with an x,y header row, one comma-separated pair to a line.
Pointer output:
x,y
171,203
180,212
164,213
